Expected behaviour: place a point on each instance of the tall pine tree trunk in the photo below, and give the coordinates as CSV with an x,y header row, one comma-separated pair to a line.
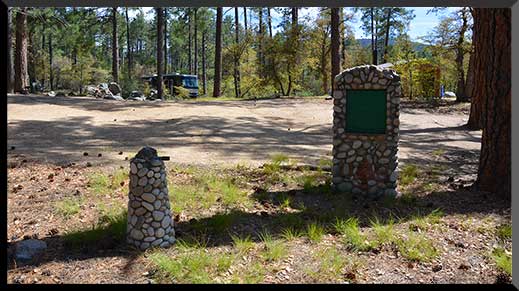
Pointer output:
x,y
269,22
160,51
42,80
342,37
261,55
386,40
21,80
218,53
373,39
461,96
165,40
335,44
245,18
189,60
10,65
51,62
237,91
493,88
195,65
204,75
128,45
115,47
474,122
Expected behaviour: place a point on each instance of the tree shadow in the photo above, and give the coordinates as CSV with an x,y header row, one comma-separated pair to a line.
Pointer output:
x,y
314,205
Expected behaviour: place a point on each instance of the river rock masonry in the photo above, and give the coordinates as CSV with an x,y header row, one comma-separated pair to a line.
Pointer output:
x,y
150,221
366,162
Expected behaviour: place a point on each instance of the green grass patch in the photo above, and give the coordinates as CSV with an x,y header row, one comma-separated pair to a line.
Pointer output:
x,y
279,158
308,181
273,249
315,232
424,222
384,234
352,235
190,197
243,245
68,206
291,233
103,184
109,227
193,266
504,231
417,248
502,260
408,174
221,222
329,267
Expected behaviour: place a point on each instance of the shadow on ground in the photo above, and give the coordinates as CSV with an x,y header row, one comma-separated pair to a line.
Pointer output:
x,y
317,205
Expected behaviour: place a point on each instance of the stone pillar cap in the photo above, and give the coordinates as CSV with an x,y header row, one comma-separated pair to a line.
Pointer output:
x,y
147,153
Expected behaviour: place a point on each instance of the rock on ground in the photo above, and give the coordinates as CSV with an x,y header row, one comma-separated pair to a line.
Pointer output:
x,y
28,251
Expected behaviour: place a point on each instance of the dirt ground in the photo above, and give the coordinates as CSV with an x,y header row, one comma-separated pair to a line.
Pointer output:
x,y
49,136
61,129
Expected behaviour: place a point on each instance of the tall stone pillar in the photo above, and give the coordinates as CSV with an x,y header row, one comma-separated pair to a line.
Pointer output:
x,y
366,131
150,222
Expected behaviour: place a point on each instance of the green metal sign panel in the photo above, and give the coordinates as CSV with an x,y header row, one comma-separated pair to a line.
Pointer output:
x,y
366,111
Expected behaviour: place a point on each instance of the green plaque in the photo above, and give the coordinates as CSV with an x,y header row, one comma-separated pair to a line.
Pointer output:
x,y
366,111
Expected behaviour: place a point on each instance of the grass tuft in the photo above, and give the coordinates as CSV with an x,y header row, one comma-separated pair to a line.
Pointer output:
x,y
274,249
330,266
417,248
102,184
291,233
384,234
111,227
352,235
68,206
504,231
315,232
243,245
502,260
408,174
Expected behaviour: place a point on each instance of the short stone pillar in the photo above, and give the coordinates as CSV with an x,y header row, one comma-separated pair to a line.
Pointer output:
x,y
150,222
366,131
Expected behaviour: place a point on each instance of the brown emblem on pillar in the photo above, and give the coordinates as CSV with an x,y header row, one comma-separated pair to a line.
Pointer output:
x,y
364,174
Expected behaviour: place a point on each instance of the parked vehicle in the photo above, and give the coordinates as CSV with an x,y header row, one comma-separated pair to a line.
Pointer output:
x,y
189,82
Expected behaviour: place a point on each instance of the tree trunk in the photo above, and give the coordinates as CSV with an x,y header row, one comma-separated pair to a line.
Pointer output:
x,y
218,53
165,40
42,80
474,122
323,61
51,69
342,38
20,61
461,96
189,60
245,18
236,57
10,66
128,45
204,76
469,84
493,87
335,44
160,50
373,41
386,40
195,65
115,47
261,55
269,21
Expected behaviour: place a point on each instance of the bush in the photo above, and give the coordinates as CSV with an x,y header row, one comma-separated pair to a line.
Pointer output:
x,y
181,92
